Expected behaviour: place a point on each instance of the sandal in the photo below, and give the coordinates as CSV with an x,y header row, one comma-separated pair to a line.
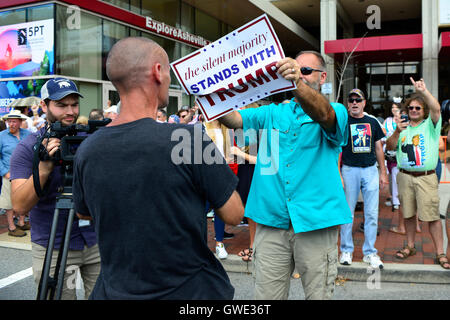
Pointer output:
x,y
441,262
246,254
404,254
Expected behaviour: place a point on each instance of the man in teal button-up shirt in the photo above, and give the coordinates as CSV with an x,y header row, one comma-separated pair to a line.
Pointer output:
x,y
296,196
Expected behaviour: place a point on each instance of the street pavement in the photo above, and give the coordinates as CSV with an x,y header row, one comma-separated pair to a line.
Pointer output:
x,y
15,260
417,277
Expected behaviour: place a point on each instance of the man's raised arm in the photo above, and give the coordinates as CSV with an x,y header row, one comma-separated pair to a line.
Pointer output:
x,y
312,101
233,120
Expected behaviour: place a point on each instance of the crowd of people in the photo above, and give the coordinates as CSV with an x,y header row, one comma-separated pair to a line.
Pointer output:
x,y
140,216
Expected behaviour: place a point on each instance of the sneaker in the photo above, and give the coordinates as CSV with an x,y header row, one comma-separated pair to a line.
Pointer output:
x,y
373,260
16,233
396,206
346,258
210,214
221,252
388,203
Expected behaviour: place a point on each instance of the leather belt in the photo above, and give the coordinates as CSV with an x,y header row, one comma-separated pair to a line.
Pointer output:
x,y
418,173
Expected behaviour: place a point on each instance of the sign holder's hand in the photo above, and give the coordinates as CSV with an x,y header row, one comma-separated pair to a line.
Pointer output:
x,y
289,69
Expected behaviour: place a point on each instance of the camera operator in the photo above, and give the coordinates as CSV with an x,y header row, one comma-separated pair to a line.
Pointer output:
x,y
60,102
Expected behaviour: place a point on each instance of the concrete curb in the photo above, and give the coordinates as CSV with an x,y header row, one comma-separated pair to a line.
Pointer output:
x,y
15,245
359,271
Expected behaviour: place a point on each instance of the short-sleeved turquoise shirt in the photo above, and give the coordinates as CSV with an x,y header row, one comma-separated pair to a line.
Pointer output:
x,y
296,177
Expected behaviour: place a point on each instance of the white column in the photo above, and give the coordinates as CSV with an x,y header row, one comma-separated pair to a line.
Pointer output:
x,y
328,26
430,50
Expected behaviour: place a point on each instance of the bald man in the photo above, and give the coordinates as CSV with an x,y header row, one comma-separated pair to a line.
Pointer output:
x,y
149,214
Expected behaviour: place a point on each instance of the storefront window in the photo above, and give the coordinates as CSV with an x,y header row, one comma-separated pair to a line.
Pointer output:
x,y
411,67
13,17
40,13
112,32
30,14
78,49
166,11
124,4
135,6
187,18
206,26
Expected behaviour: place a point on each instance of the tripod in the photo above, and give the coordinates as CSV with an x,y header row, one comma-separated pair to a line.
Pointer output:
x,y
48,285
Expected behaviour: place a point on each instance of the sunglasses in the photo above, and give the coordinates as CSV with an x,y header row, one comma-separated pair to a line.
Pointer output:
x,y
417,108
307,70
358,100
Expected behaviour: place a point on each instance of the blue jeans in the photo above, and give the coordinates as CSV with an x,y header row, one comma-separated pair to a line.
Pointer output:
x,y
366,180
219,228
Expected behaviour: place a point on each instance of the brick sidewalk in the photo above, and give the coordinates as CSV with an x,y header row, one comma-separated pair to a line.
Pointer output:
x,y
387,242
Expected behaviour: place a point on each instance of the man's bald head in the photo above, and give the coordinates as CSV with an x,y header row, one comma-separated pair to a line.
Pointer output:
x,y
130,59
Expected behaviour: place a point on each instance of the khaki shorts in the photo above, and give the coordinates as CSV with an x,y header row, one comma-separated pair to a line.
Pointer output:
x,y
87,261
278,251
419,194
5,197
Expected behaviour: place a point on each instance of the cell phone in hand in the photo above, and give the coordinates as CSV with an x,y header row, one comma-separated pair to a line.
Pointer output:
x,y
404,118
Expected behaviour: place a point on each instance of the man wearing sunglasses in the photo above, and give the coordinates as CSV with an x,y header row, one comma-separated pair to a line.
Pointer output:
x,y
297,225
360,173
417,146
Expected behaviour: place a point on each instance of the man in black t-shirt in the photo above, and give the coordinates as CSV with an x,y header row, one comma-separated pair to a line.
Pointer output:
x,y
146,190
360,173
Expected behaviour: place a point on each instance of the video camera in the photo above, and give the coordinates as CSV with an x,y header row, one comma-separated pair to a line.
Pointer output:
x,y
70,141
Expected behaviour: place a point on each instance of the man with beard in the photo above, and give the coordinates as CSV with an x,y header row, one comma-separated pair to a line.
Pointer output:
x,y
297,165
60,101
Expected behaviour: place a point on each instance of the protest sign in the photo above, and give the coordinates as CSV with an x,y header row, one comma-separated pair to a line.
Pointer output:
x,y
235,70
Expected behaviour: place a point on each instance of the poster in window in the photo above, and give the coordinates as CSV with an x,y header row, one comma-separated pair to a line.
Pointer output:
x,y
27,49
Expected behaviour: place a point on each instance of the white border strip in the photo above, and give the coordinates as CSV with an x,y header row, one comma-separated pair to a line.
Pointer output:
x,y
16,277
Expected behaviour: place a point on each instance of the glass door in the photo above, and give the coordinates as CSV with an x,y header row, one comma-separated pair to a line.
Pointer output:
x,y
384,81
110,93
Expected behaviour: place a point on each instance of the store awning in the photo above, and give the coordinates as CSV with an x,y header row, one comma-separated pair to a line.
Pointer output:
x,y
406,47
444,45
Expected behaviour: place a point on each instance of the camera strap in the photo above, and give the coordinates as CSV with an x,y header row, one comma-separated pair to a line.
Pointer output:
x,y
38,148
